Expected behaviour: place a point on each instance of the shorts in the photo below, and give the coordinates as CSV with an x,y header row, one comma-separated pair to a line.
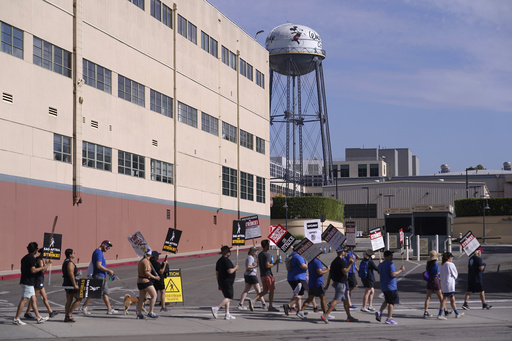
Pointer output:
x,y
268,283
142,286
391,297
39,283
448,294
104,285
340,291
475,287
434,285
227,290
368,283
352,280
159,285
317,291
27,291
72,291
251,279
298,287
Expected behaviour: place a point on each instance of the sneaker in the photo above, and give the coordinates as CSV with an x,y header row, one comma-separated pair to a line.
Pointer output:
x,y
42,319
352,319
286,309
447,312
164,309
292,311
324,318
69,319
377,315
330,317
18,322
485,306
465,306
364,310
272,308
140,317
152,315
264,306
317,310
29,316
241,307
85,311
54,313
353,307
372,309
459,315
301,314
391,321
251,305
441,317
112,312
427,315
229,317
214,310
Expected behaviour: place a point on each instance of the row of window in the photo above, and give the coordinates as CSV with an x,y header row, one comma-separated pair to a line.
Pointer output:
x,y
209,44
100,157
161,12
230,185
362,170
187,29
228,58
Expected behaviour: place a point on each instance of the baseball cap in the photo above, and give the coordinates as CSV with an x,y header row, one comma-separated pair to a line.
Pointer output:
x,y
225,248
253,249
106,242
388,253
369,252
148,252
341,249
155,253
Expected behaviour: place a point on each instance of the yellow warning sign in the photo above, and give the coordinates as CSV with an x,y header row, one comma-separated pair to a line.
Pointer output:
x,y
173,288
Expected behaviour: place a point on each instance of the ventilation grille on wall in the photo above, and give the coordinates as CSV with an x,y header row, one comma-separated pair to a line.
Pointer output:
x,y
52,111
94,124
7,97
155,143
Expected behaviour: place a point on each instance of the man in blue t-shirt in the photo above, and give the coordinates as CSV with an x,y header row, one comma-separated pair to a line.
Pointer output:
x,y
100,271
297,280
316,285
388,286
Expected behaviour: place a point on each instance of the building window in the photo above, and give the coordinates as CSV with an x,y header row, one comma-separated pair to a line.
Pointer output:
x,y
182,26
344,171
214,48
156,6
246,139
96,156
249,72
131,91
160,103
362,171
246,186
187,115
228,132
52,57
209,44
187,29
166,16
232,60
260,189
374,170
260,145
12,40
209,124
131,164
361,210
162,171
260,79
192,33
62,148
225,55
138,3
97,76
229,182
246,69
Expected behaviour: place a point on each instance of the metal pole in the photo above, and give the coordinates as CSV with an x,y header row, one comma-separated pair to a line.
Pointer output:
x,y
407,249
387,240
437,243
418,248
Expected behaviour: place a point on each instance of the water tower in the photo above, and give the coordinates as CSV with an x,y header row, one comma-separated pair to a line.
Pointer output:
x,y
298,106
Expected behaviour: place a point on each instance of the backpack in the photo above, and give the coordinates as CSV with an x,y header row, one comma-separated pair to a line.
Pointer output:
x,y
363,269
288,263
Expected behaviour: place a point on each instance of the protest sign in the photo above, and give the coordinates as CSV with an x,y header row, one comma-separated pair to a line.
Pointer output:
x,y
52,244
252,227
350,233
282,238
238,232
307,249
90,288
401,233
313,230
469,243
138,243
333,236
172,240
376,239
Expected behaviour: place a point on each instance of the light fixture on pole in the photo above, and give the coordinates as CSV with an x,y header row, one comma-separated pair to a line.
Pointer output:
x,y
285,206
485,205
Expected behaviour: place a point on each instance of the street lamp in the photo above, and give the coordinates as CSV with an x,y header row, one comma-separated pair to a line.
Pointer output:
x,y
367,209
389,199
285,206
485,205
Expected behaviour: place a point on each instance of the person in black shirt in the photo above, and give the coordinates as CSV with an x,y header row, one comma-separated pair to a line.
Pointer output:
x,y
160,271
28,270
226,273
39,288
69,274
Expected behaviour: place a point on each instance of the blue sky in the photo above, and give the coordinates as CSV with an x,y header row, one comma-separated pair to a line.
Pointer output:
x,y
432,76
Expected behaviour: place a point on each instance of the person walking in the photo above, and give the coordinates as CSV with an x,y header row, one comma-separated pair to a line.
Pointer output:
x,y
433,285
100,271
159,285
268,282
39,289
316,286
352,278
297,280
28,270
448,276
251,280
476,269
338,273
145,279
69,274
226,273
388,285
366,268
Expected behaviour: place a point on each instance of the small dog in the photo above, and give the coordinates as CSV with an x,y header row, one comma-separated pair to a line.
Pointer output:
x,y
128,300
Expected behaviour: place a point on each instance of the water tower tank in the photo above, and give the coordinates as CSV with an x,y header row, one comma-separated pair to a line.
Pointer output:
x,y
507,165
445,168
298,42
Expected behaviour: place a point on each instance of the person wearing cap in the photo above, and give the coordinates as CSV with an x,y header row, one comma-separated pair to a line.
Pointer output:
x,y
100,271
267,278
251,279
448,276
145,279
226,273
338,274
433,285
297,281
352,279
388,285
475,284
159,285
316,286
368,281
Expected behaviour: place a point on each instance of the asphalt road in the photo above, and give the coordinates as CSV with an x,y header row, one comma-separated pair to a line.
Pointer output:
x,y
192,320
